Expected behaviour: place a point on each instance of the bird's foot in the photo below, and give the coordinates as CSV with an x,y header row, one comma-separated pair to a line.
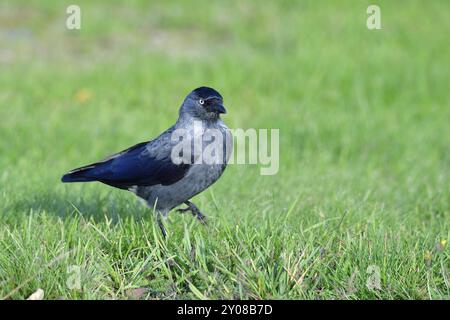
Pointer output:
x,y
194,210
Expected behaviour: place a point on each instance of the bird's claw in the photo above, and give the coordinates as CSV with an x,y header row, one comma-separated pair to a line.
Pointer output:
x,y
195,212
201,218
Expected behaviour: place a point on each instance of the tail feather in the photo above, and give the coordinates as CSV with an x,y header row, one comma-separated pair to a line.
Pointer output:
x,y
79,175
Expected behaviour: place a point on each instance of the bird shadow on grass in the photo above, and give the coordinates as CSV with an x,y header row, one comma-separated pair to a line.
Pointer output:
x,y
96,206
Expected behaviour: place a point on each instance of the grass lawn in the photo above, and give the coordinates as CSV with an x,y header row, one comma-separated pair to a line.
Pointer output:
x,y
360,207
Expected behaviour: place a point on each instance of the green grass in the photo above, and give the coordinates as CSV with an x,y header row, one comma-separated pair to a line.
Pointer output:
x,y
364,149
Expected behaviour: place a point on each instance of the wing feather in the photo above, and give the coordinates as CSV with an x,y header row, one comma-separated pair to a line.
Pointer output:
x,y
145,164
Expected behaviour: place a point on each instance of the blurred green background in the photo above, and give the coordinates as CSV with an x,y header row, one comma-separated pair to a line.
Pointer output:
x,y
364,146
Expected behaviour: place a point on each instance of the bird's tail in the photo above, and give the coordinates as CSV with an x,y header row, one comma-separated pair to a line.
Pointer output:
x,y
83,174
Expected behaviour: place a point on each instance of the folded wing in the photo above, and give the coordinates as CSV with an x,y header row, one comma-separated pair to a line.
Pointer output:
x,y
140,165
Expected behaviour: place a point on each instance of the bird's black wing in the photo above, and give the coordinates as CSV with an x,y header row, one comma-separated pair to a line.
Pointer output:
x,y
145,164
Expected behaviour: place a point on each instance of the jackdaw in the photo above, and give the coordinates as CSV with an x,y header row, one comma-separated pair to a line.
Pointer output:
x,y
171,169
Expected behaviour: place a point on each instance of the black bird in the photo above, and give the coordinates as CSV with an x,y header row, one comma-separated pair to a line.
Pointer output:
x,y
157,171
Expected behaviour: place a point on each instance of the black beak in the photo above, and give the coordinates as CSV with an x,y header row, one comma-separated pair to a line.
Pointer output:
x,y
220,108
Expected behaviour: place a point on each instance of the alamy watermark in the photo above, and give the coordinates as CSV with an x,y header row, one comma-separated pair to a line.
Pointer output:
x,y
374,19
215,146
373,279
73,21
73,281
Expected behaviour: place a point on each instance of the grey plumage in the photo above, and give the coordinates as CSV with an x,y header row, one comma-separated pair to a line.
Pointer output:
x,y
148,170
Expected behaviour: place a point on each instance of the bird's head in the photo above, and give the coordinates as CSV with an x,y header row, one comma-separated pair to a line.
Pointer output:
x,y
203,103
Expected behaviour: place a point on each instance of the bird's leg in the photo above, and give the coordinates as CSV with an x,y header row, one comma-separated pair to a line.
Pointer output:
x,y
194,210
183,210
160,224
